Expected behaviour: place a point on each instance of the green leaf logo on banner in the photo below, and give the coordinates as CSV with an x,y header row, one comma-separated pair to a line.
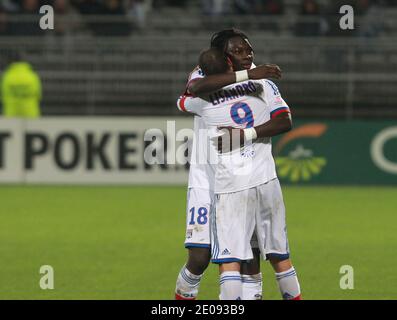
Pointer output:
x,y
300,164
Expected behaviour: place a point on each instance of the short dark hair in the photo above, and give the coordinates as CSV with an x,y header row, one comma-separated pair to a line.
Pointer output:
x,y
213,61
219,39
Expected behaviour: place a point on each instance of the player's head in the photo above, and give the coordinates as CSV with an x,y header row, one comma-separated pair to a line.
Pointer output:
x,y
214,61
235,44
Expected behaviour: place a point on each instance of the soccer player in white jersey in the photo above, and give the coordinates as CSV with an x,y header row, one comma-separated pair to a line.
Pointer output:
x,y
248,195
200,186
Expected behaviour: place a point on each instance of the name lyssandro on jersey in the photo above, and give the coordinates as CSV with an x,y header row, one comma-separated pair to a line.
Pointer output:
x,y
234,92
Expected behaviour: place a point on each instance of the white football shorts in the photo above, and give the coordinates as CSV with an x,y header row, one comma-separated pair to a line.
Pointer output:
x,y
239,217
199,208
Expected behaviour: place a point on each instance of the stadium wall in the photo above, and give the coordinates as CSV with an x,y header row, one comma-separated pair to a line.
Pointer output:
x,y
153,150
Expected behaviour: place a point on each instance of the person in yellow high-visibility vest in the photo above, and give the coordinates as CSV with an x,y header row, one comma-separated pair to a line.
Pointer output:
x,y
20,91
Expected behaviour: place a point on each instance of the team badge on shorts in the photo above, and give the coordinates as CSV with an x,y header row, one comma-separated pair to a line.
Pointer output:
x,y
189,233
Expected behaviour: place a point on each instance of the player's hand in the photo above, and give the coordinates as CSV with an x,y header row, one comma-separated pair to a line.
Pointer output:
x,y
232,138
265,71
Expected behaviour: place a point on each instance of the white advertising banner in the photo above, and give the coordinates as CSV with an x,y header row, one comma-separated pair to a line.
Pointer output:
x,y
99,150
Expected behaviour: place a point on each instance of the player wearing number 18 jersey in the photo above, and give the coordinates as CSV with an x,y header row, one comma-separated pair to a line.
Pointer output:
x,y
200,197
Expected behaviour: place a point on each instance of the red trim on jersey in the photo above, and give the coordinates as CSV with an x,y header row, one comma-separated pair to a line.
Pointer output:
x,y
298,297
280,111
182,103
193,71
178,297
188,84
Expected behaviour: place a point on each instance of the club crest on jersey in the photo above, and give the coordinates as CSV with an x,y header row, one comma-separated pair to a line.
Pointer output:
x,y
248,152
276,92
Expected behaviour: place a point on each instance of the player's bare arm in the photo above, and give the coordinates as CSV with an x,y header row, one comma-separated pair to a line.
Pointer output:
x,y
277,125
217,81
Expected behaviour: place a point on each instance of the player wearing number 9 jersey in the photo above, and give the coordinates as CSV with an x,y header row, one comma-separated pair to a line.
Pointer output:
x,y
248,195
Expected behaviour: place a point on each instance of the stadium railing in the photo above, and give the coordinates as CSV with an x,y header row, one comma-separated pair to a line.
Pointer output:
x,y
344,77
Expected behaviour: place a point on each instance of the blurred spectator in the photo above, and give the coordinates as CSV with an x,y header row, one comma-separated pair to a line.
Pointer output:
x,y
20,89
11,5
28,23
113,22
316,25
137,10
66,18
87,6
119,26
259,6
112,7
245,6
361,7
215,7
272,6
30,6
370,22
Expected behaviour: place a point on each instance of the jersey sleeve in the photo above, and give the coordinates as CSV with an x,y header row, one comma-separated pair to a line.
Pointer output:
x,y
196,74
274,99
190,104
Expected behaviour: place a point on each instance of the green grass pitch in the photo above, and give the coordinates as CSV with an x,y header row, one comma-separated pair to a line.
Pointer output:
x,y
127,242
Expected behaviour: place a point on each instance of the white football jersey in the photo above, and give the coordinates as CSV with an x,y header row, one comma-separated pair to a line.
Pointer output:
x,y
242,105
201,174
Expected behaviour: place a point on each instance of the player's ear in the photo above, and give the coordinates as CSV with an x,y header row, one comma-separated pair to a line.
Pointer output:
x,y
229,61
